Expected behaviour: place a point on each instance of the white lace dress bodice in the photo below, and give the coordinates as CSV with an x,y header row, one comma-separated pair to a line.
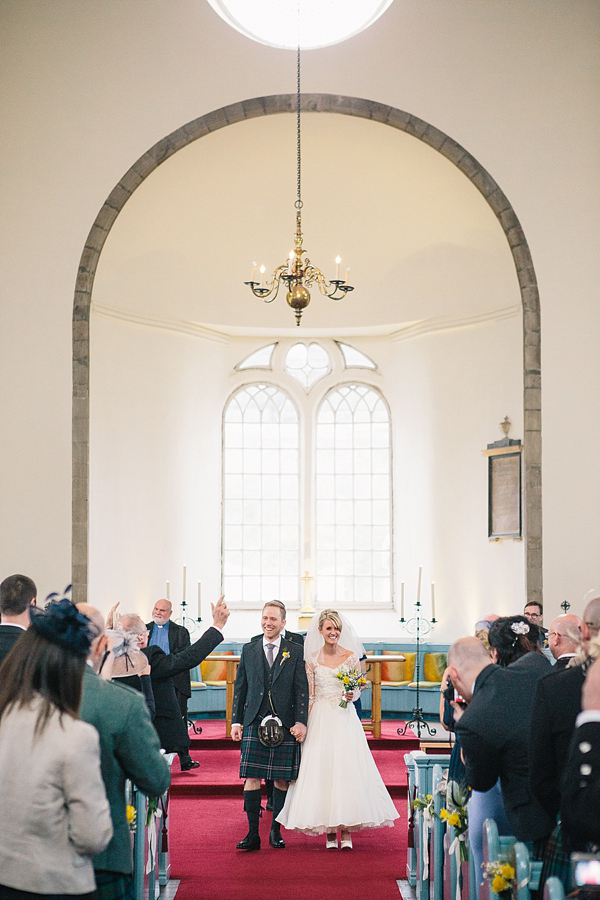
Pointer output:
x,y
338,782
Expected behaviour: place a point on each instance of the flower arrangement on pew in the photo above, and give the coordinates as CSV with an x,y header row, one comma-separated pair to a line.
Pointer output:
x,y
458,818
501,876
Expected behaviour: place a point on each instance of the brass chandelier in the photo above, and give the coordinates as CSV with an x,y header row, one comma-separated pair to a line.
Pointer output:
x,y
297,272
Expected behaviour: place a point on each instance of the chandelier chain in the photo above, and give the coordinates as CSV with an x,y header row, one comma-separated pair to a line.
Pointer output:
x,y
299,200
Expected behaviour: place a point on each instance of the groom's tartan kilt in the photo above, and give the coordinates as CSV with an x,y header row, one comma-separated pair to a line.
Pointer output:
x,y
258,761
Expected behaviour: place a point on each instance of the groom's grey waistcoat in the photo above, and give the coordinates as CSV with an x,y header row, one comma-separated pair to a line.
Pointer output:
x,y
286,680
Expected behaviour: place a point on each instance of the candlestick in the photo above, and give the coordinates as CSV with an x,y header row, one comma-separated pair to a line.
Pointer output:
x,y
419,585
184,583
347,274
168,591
253,271
338,260
199,602
402,600
433,600
262,274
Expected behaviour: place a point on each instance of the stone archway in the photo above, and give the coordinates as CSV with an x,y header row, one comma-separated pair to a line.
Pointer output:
x,y
348,106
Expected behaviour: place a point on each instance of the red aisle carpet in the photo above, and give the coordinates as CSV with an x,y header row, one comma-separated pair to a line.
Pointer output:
x,y
207,820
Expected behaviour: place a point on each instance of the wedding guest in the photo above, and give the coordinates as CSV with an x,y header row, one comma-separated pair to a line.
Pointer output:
x,y
17,594
172,730
494,728
53,803
580,799
556,705
564,639
129,749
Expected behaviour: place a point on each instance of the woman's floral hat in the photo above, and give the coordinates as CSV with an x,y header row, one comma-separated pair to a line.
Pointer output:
x,y
62,623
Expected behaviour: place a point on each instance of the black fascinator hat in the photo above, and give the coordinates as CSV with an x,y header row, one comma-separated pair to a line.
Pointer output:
x,y
62,623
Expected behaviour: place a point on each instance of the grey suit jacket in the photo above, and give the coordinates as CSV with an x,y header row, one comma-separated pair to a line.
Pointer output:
x,y
289,687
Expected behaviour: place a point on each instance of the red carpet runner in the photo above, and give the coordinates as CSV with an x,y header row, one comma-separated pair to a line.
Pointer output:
x,y
207,820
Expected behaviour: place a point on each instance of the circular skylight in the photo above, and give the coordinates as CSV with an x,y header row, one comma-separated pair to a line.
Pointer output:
x,y
322,22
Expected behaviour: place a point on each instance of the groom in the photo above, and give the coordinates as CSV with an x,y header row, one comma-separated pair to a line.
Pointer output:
x,y
272,665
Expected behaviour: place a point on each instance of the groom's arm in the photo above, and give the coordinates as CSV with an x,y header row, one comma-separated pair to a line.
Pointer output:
x,y
239,699
300,691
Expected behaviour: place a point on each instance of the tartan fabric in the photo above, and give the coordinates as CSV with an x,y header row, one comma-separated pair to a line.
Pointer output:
x,y
258,761
113,886
557,861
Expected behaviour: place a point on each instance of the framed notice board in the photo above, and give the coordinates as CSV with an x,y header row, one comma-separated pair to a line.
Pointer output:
x,y
504,493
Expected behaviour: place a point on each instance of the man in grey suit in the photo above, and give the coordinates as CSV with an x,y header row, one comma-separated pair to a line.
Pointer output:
x,y
129,748
17,594
271,678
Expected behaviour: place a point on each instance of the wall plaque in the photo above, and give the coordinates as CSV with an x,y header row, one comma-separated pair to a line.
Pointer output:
x,y
504,490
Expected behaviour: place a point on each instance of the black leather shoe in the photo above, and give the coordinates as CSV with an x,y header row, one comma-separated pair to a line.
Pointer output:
x,y
192,764
250,842
275,839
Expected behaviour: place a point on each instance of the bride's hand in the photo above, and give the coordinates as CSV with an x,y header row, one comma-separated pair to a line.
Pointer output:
x,y
349,696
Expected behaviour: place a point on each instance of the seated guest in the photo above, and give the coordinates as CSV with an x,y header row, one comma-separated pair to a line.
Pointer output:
x,y
53,804
171,728
129,748
580,799
564,639
17,594
494,728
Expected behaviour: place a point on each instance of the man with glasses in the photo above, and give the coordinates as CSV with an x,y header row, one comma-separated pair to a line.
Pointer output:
x,y
534,612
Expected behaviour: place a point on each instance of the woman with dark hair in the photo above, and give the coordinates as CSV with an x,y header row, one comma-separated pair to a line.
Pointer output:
x,y
52,803
514,642
513,637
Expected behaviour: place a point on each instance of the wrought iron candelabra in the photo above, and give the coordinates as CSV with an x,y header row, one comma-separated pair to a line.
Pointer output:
x,y
417,626
192,626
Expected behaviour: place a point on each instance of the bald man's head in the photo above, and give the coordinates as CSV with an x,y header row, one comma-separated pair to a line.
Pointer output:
x,y
467,657
99,643
565,635
591,618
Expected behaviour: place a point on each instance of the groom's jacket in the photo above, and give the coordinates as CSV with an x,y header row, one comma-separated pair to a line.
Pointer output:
x,y
289,686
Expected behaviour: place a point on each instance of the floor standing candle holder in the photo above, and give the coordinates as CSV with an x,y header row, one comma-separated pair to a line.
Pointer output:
x,y
191,626
418,626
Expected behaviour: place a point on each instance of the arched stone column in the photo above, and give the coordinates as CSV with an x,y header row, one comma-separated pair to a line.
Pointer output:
x,y
348,106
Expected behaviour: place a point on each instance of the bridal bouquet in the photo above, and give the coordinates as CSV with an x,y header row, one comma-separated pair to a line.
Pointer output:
x,y
351,679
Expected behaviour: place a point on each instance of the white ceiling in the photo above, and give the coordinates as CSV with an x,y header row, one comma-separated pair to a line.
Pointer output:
x,y
421,242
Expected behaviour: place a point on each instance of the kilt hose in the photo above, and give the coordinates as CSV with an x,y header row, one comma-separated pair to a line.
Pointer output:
x,y
278,763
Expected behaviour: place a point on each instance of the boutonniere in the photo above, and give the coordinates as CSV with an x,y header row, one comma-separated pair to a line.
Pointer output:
x,y
285,655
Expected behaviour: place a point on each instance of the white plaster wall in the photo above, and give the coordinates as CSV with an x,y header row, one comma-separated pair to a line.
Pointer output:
x,y
157,401
87,88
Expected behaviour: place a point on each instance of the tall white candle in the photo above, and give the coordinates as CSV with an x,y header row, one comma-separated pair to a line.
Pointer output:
x,y
419,584
184,583
338,260
168,591
199,601
433,599
402,600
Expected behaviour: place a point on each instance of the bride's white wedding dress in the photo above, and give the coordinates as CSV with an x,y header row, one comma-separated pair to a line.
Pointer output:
x,y
338,782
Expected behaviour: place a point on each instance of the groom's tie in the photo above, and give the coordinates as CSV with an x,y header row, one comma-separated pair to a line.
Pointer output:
x,y
270,648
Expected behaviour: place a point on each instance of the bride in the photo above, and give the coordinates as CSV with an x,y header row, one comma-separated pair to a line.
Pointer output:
x,y
338,785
